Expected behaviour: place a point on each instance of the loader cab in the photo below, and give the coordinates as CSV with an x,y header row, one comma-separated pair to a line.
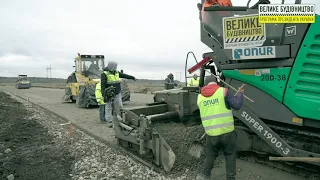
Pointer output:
x,y
89,65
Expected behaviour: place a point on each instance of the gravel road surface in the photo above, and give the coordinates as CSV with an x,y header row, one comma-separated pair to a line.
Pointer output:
x,y
87,119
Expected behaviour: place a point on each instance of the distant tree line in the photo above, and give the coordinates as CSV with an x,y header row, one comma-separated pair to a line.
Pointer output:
x,y
64,81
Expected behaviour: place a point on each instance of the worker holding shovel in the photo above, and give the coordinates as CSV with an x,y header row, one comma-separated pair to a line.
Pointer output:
x,y
215,105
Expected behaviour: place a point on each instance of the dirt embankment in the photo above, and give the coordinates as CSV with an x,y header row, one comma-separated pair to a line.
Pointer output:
x,y
144,89
27,151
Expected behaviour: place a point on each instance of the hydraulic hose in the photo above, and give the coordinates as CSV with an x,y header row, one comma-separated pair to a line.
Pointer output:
x,y
186,65
216,76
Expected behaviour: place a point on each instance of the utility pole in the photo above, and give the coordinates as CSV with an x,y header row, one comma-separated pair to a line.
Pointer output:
x,y
179,75
49,70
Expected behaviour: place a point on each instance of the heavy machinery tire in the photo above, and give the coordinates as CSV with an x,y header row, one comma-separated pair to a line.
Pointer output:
x,y
83,97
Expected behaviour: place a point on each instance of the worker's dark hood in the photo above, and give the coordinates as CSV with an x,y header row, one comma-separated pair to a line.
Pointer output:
x,y
209,90
107,69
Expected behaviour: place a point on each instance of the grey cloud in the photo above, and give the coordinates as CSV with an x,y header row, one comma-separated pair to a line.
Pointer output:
x,y
145,39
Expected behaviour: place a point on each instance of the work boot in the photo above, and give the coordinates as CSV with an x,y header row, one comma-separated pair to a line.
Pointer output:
x,y
110,124
103,120
202,177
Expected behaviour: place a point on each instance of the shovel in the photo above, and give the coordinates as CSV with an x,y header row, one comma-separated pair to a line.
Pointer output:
x,y
197,147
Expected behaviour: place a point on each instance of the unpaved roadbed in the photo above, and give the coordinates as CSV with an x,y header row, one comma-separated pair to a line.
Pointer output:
x,y
99,153
27,150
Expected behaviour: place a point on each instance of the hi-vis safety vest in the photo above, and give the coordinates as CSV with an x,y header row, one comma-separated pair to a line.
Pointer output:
x,y
98,94
112,78
216,118
193,82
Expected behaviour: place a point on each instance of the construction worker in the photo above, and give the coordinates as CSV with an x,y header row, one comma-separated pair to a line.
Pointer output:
x,y
215,105
208,3
93,67
194,82
111,77
169,82
101,103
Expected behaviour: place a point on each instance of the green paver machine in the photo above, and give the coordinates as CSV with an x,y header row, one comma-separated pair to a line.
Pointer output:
x,y
23,82
280,65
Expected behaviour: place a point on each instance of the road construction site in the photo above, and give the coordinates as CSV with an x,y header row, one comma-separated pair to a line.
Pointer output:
x,y
92,153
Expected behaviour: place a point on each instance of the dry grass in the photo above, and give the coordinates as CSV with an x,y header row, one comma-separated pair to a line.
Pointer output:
x,y
145,89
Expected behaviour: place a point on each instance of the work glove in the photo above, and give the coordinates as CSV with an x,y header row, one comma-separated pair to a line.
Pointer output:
x,y
241,89
109,93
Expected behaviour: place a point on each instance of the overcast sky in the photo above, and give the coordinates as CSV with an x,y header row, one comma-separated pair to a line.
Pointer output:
x,y
147,41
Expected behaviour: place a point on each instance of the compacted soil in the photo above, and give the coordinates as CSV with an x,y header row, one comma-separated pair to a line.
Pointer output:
x,y
27,151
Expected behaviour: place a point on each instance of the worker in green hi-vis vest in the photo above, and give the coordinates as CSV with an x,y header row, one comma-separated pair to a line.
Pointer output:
x,y
101,103
194,82
215,104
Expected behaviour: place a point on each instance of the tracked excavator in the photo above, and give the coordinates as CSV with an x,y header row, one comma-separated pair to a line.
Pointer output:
x,y
82,82
280,65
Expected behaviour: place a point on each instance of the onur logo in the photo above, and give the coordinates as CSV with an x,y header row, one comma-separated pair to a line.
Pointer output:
x,y
254,53
211,102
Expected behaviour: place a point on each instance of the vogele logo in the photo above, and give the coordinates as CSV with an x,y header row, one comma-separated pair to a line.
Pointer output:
x,y
286,13
263,52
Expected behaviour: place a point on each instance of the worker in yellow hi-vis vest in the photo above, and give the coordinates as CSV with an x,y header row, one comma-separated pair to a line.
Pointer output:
x,y
194,82
101,103
215,104
110,77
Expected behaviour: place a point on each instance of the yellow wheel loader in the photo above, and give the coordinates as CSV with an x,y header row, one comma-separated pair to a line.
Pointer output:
x,y
81,83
